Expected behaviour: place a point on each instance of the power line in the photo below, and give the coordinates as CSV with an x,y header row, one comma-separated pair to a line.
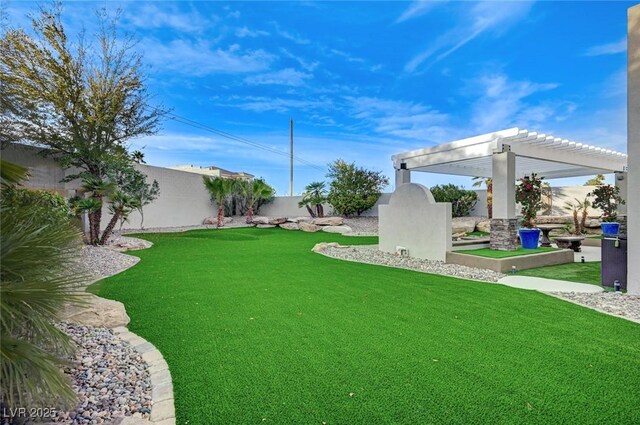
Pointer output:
x,y
195,124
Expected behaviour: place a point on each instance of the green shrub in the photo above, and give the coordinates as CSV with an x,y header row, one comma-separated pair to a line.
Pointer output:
x,y
49,207
353,190
462,200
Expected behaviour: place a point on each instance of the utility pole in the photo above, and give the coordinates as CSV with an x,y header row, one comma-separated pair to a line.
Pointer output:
x,y
291,157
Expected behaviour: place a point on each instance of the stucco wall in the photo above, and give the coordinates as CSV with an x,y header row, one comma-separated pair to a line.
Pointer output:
x,y
414,221
183,200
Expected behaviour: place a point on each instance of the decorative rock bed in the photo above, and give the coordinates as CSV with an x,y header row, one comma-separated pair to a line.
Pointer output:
x,y
371,255
109,376
613,303
119,377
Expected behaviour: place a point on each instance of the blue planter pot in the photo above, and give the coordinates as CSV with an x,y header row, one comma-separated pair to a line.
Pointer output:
x,y
610,228
529,238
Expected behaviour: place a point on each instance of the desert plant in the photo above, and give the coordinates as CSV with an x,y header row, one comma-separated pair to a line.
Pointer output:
x,y
579,210
462,200
354,190
488,182
607,198
97,189
219,189
315,194
38,276
259,193
529,195
120,205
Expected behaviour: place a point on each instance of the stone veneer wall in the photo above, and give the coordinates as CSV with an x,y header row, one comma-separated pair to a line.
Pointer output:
x,y
504,234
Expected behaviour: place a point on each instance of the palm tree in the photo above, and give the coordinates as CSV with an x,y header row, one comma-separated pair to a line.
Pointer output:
x,y
575,208
138,157
219,189
315,194
121,206
98,189
259,193
38,276
488,182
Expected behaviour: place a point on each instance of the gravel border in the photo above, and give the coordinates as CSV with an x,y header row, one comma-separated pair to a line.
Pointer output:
x,y
371,255
616,304
103,261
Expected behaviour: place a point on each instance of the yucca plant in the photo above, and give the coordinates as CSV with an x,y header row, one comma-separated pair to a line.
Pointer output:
x,y
38,276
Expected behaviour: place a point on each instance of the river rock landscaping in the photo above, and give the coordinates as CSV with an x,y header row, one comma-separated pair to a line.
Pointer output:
x,y
109,376
371,255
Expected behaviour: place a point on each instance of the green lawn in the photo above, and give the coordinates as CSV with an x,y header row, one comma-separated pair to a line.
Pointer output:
x,y
494,253
588,272
478,233
258,329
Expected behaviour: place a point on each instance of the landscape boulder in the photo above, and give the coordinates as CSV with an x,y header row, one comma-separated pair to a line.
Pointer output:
x,y
484,226
463,225
126,243
328,221
298,219
214,220
554,219
266,226
322,246
592,223
337,229
260,220
290,226
308,227
277,220
98,312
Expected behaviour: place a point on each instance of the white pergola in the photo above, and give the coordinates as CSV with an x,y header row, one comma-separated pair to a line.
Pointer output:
x,y
509,154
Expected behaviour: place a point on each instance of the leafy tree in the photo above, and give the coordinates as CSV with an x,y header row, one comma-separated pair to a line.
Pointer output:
x,y
462,200
219,189
133,184
595,181
488,182
354,190
81,102
38,276
315,194
607,199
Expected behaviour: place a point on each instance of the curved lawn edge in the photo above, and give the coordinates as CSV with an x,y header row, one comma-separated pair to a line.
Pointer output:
x,y
163,405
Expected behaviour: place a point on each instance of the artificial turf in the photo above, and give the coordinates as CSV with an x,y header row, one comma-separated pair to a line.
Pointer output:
x,y
589,272
494,253
258,329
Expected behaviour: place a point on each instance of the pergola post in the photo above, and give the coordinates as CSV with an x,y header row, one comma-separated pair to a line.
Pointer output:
x,y
633,148
402,176
504,225
621,182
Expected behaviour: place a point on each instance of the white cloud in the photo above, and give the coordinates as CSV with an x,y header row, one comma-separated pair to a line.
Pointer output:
x,y
608,49
151,16
246,32
201,58
482,18
417,8
408,120
284,77
502,103
281,105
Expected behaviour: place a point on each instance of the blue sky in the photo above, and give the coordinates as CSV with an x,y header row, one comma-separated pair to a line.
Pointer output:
x,y
365,80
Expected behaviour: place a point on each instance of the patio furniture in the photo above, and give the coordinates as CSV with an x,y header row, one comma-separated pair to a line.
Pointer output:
x,y
569,242
546,229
